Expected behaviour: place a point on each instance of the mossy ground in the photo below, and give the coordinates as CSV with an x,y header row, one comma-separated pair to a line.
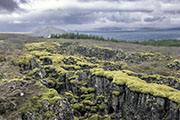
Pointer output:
x,y
58,61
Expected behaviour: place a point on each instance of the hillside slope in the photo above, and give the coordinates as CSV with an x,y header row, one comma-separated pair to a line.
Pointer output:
x,y
46,31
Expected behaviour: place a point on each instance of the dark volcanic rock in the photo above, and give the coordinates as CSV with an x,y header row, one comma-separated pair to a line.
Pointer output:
x,y
100,53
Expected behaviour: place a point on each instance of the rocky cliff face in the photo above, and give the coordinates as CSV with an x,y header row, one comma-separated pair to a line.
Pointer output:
x,y
68,81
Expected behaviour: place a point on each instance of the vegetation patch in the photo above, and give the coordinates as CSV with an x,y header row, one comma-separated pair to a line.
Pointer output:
x,y
36,103
49,46
116,93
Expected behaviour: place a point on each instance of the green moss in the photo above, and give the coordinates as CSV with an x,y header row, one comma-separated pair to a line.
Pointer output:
x,y
98,72
116,93
82,83
71,94
99,97
1,41
40,53
40,86
88,102
75,118
24,59
71,67
94,117
112,65
18,118
14,79
146,54
73,101
32,72
39,117
155,104
87,96
51,95
155,77
73,77
106,117
91,65
130,72
50,82
35,104
73,81
87,90
107,48
101,106
56,58
47,114
77,106
175,61
87,107
174,64
148,101
59,70
42,46
94,109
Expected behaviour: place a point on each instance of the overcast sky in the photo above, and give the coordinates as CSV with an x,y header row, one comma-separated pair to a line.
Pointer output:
x,y
26,15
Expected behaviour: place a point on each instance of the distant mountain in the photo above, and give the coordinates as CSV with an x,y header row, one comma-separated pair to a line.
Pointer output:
x,y
177,28
134,28
46,31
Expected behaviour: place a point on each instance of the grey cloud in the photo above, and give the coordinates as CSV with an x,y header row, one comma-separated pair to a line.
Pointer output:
x,y
149,19
57,17
80,17
10,5
174,12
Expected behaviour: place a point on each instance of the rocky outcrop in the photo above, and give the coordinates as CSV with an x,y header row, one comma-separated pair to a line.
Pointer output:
x,y
131,105
100,53
120,102
109,54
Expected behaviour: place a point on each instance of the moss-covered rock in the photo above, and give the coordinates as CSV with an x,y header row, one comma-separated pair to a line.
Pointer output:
x,y
175,64
138,85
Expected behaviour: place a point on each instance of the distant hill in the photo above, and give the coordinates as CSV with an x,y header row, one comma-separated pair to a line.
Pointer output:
x,y
46,31
134,28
